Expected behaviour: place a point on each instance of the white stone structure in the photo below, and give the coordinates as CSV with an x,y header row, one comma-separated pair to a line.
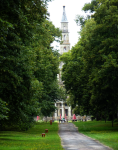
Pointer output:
x,y
62,107
65,46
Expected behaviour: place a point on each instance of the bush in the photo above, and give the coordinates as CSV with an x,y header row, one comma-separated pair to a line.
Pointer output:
x,y
115,120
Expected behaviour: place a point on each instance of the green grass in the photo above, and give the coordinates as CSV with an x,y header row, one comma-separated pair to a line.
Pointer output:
x,y
101,131
32,139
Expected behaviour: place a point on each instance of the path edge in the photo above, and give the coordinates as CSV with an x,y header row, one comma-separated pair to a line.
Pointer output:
x,y
93,139
60,137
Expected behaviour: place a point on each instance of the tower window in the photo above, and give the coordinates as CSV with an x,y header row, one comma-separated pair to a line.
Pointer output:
x,y
64,48
64,28
64,37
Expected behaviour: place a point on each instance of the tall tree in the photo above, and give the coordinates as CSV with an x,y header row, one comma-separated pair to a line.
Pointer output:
x,y
98,47
28,65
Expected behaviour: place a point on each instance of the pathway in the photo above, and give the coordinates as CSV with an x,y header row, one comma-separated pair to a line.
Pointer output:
x,y
73,140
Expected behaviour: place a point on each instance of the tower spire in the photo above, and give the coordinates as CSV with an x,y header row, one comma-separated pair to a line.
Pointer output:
x,y
64,18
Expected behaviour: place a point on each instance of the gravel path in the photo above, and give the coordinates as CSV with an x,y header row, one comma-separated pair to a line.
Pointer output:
x,y
73,140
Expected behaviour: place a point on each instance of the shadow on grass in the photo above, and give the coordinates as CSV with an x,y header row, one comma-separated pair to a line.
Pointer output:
x,y
9,135
6,139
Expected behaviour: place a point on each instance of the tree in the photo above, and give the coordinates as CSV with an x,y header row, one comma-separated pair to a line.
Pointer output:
x,y
91,6
28,65
95,77
106,76
75,79
3,110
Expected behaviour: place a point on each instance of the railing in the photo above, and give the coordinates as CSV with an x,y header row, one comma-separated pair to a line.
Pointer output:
x,y
64,31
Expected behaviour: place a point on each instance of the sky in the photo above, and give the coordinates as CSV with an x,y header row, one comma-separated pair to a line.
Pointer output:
x,y
72,8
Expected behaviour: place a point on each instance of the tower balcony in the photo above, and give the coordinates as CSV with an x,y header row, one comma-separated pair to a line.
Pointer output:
x,y
65,43
64,31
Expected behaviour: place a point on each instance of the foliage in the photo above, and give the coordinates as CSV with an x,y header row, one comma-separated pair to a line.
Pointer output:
x,y
28,65
47,108
70,100
81,20
91,6
3,110
91,68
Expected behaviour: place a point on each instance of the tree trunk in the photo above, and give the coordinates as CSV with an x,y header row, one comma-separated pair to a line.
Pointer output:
x,y
117,114
46,119
112,119
105,117
112,122
101,116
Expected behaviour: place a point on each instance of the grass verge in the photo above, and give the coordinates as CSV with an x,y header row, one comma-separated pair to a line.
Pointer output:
x,y
101,131
32,139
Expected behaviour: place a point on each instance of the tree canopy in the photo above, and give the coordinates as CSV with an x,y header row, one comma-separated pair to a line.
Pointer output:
x,y
28,63
91,72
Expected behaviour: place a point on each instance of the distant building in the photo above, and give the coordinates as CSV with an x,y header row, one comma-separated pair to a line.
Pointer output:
x,y
62,107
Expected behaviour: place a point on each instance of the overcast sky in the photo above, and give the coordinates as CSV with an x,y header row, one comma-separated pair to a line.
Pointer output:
x,y
72,8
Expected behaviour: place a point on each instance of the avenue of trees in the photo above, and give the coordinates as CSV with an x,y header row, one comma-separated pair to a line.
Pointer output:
x,y
28,63
90,71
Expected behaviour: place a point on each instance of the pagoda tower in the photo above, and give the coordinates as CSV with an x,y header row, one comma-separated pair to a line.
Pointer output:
x,y
62,108
65,46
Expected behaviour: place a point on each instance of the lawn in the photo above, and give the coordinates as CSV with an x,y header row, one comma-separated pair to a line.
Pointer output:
x,y
32,139
101,131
